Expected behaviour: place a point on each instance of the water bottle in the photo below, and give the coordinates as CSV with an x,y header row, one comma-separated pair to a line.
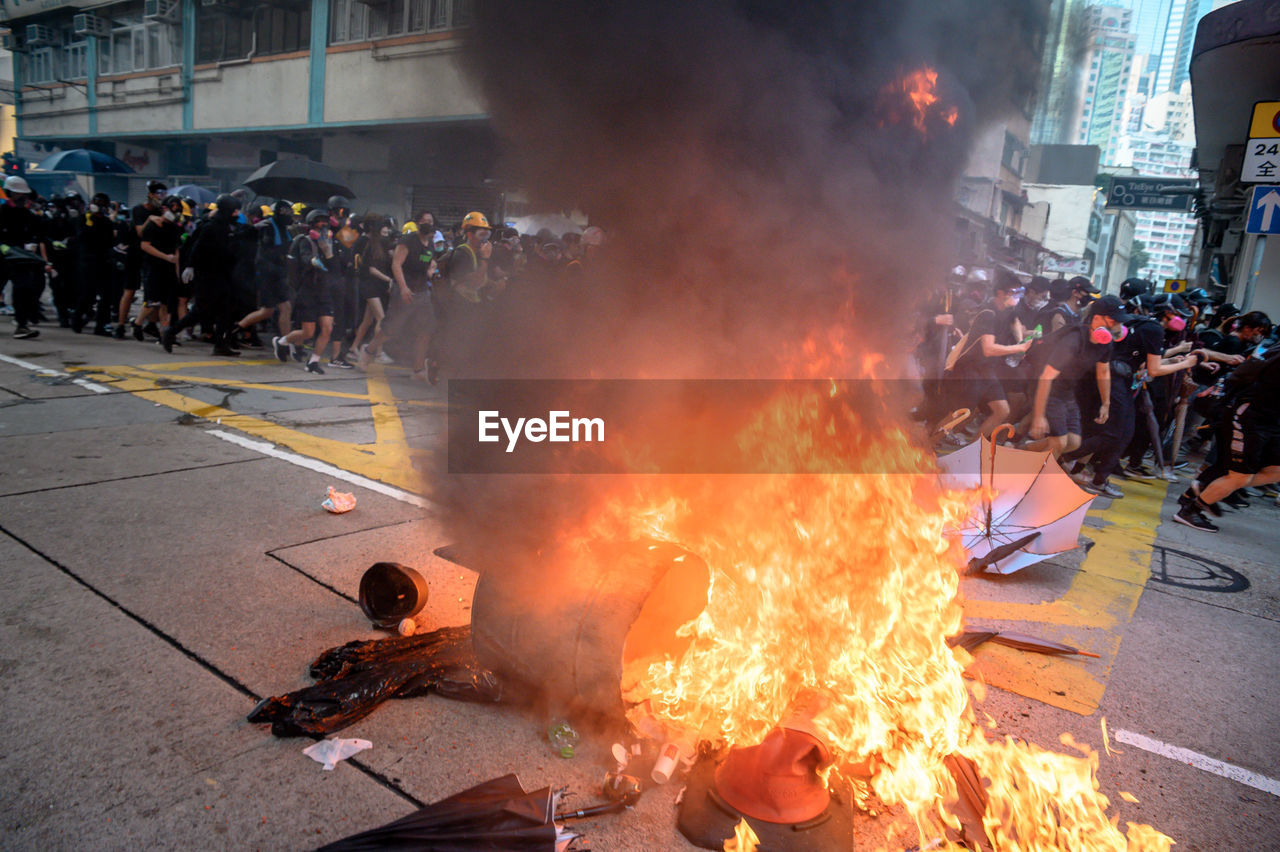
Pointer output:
x,y
563,738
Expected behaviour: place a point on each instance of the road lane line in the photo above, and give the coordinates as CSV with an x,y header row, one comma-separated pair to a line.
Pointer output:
x,y
45,371
1201,761
322,467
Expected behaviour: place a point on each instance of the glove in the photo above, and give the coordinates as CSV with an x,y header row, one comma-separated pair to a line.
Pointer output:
x,y
187,275
4,249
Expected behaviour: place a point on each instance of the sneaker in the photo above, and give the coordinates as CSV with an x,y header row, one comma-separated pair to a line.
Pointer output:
x,y
5,310
226,352
299,353
1192,495
168,339
1109,490
1138,472
314,367
384,358
252,341
342,364
22,332
1191,516
118,333
1168,475
281,348
151,330
137,332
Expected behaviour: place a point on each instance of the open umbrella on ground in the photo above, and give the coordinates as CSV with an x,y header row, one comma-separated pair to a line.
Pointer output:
x,y
556,223
299,180
199,193
971,639
497,814
1030,509
84,161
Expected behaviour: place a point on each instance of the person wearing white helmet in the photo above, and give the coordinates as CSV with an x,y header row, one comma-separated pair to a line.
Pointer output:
x,y
26,257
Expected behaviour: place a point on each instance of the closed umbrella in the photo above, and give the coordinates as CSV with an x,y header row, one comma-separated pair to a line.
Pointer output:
x,y
303,180
1030,509
84,161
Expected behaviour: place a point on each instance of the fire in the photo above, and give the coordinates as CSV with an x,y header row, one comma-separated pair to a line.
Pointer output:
x,y
836,591
920,88
743,840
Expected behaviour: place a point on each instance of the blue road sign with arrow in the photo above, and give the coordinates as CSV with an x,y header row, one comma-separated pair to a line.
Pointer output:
x,y
1264,211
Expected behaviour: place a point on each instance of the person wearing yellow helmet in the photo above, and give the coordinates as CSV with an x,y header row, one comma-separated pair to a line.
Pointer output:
x,y
413,267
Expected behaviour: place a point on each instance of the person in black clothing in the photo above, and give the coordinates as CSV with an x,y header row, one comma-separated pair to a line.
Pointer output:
x,y
26,258
212,266
133,270
991,337
60,229
413,267
1249,441
274,295
373,275
95,241
308,264
1150,360
160,238
244,243
1073,352
1035,300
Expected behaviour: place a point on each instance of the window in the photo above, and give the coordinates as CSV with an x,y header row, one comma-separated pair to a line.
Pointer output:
x,y
40,66
224,33
75,61
357,20
138,46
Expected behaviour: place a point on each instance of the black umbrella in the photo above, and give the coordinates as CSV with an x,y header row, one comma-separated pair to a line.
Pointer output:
x,y
305,180
497,814
84,161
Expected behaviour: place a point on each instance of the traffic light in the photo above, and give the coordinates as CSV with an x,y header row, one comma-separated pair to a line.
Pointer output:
x,y
12,163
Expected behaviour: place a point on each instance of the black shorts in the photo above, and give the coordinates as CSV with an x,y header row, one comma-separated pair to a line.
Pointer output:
x,y
160,284
372,288
1063,414
312,301
273,289
1252,443
982,386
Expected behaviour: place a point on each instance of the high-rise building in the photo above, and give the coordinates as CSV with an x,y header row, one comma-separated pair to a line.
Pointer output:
x,y
1060,74
1166,236
1106,68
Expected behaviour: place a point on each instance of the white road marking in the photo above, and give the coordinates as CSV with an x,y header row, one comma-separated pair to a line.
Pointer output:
x,y
1201,761
45,371
321,467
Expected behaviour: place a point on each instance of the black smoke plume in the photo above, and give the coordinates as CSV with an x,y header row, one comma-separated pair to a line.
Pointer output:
x,y
758,168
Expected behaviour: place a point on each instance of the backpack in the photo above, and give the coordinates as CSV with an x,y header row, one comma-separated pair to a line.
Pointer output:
x,y
964,344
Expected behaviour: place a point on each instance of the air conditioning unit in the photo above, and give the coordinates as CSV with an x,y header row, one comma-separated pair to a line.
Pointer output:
x,y
85,24
39,35
10,41
161,10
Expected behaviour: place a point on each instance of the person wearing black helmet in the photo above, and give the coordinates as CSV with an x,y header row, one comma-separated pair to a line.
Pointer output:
x,y
212,266
308,265
160,238
1149,360
133,268
1132,288
274,294
98,276
61,227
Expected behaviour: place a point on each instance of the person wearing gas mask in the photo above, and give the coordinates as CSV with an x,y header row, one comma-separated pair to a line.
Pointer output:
x,y
1151,361
134,268
95,239
26,255
1074,352
342,281
309,258
61,231
993,334
160,238
211,270
274,295
414,308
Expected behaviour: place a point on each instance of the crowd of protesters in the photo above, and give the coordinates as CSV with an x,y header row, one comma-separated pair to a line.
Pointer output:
x,y
330,288
1104,382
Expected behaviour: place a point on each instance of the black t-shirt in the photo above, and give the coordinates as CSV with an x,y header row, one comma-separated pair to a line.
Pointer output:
x,y
164,238
999,324
1146,337
1074,356
137,219
417,261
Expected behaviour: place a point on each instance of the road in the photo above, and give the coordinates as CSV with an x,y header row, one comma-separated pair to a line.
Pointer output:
x,y
167,565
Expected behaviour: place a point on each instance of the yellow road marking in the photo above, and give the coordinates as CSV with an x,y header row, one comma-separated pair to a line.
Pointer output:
x,y
1098,605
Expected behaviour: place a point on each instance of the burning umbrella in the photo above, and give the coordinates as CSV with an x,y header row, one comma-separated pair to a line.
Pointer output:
x,y
1030,509
971,639
305,180
497,814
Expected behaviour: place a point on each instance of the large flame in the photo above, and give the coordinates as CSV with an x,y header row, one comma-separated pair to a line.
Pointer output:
x,y
836,591
919,88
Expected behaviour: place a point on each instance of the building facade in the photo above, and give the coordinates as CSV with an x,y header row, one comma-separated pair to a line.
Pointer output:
x,y
1107,66
206,91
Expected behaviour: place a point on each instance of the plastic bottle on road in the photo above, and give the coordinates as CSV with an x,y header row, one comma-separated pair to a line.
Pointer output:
x,y
563,738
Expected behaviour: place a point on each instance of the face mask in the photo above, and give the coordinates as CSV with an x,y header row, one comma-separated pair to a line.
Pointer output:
x,y
1177,324
168,216
315,235
93,208
386,232
1103,335
1038,302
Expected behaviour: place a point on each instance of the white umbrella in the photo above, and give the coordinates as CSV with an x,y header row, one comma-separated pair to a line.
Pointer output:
x,y
1033,511
556,223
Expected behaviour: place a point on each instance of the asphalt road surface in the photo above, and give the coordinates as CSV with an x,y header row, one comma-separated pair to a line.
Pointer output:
x,y
167,564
